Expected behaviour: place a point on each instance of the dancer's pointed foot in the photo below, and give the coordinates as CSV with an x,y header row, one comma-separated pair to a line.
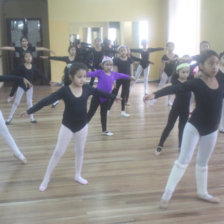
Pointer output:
x,y
163,203
8,121
208,198
44,185
81,180
21,157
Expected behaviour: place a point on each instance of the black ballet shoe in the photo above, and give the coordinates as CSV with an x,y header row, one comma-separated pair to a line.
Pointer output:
x,y
8,122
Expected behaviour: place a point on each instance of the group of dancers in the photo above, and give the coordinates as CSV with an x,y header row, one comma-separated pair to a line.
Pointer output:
x,y
205,79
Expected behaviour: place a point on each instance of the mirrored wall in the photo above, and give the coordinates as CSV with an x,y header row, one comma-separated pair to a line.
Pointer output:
x,y
127,32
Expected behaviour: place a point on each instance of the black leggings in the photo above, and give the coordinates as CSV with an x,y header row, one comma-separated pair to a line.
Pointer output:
x,y
173,115
124,92
95,102
92,81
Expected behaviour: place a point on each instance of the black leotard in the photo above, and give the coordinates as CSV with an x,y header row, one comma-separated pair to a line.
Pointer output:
x,y
207,113
75,113
145,55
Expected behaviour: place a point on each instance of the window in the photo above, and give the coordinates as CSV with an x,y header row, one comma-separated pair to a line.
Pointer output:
x,y
112,34
143,31
184,26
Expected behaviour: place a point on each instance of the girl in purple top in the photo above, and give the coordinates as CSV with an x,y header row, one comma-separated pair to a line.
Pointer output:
x,y
106,79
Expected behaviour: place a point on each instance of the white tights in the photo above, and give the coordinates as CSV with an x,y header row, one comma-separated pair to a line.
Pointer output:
x,y
64,137
205,148
146,77
19,95
9,139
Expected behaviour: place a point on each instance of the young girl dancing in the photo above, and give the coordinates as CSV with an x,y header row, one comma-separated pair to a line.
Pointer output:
x,y
98,54
106,78
180,106
21,50
25,47
144,65
167,67
123,64
201,127
26,70
71,58
74,124
3,128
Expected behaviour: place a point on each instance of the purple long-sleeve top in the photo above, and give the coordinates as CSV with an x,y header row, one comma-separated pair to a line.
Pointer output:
x,y
105,82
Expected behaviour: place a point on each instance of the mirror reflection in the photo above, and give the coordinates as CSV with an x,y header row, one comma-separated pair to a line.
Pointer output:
x,y
127,32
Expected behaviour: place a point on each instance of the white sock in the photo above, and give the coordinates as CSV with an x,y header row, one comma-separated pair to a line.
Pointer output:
x,y
176,174
201,174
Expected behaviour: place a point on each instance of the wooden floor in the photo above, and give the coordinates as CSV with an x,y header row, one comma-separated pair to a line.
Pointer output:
x,y
125,179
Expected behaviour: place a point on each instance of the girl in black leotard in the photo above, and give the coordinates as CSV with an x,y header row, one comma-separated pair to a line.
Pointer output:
x,y
123,64
180,107
71,58
202,126
144,65
26,70
167,67
75,94
97,53
25,47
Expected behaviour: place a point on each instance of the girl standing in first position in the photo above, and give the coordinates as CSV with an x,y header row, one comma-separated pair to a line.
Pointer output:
x,y
202,126
74,124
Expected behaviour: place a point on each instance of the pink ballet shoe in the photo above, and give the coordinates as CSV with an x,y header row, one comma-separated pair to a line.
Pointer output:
x,y
209,198
22,158
42,188
81,180
44,185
